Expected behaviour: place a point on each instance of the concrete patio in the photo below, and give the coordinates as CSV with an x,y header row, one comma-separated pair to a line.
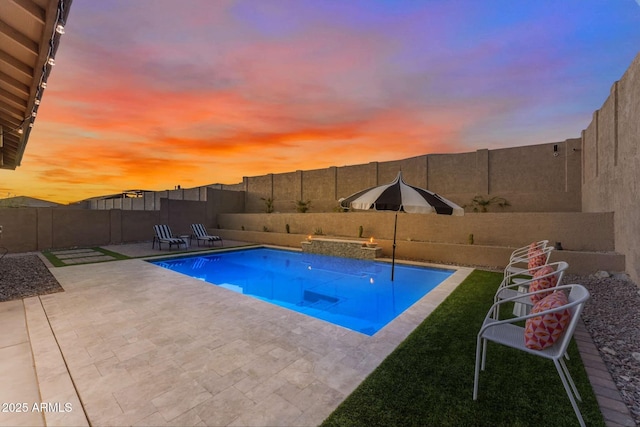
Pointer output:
x,y
129,343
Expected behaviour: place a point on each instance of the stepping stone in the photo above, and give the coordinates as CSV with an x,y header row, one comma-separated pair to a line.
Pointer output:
x,y
72,251
79,255
88,259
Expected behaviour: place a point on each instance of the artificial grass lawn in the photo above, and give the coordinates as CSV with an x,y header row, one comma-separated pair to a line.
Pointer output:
x,y
428,379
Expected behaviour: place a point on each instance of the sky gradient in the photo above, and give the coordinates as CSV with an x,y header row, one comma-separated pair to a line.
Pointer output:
x,y
150,94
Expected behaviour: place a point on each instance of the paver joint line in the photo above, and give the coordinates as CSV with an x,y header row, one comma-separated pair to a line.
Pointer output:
x,y
64,361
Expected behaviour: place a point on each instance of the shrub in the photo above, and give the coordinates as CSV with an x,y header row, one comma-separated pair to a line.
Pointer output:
x,y
268,204
303,206
482,204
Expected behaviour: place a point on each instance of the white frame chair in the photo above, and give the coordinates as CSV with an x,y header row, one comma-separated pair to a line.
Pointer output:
x,y
505,332
510,283
522,254
512,267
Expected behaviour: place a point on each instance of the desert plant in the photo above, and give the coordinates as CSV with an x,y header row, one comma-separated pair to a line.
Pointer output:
x,y
303,206
360,231
340,208
268,204
265,228
479,203
318,231
242,227
286,226
470,238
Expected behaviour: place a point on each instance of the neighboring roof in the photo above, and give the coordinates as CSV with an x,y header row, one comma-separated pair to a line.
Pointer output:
x,y
126,194
26,202
28,44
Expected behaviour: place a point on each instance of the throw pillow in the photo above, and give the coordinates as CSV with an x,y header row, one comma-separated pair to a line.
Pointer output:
x,y
541,332
539,283
537,259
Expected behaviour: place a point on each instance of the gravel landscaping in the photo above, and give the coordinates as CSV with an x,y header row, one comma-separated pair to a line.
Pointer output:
x,y
23,276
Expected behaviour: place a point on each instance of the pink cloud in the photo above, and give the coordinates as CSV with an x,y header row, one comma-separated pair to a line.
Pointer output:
x,y
247,88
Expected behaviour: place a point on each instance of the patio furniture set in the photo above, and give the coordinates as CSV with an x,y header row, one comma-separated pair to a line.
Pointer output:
x,y
550,312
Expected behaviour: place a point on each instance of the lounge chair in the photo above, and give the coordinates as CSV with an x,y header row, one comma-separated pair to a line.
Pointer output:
x,y
200,233
508,333
164,235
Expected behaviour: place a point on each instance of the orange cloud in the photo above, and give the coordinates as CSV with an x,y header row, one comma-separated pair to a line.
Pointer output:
x,y
241,89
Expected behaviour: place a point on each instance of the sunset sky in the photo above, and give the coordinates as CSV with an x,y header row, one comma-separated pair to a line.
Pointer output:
x,y
150,94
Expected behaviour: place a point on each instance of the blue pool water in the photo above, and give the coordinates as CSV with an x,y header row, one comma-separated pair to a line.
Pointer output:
x,y
355,294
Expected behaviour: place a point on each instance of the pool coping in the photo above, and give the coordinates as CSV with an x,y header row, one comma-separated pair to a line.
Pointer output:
x,y
431,266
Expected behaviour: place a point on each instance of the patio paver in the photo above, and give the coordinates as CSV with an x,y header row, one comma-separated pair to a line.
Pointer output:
x,y
17,369
145,345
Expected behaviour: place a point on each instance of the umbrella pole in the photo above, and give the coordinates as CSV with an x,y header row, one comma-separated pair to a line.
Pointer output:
x,y
393,253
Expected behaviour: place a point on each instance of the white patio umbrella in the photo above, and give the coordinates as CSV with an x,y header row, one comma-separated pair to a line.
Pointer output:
x,y
400,196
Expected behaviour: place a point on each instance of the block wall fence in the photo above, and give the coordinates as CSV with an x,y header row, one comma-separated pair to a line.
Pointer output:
x,y
611,165
37,229
535,178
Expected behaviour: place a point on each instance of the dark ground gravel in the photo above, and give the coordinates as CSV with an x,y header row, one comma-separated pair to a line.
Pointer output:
x,y
612,316
23,276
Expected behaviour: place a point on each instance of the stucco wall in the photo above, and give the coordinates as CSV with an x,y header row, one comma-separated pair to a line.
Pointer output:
x,y
491,229
223,201
449,253
180,214
611,164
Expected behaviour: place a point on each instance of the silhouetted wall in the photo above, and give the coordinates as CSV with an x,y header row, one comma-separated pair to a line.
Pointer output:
x,y
31,229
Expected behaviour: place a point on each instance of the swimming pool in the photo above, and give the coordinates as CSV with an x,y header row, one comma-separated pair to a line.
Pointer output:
x,y
355,294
